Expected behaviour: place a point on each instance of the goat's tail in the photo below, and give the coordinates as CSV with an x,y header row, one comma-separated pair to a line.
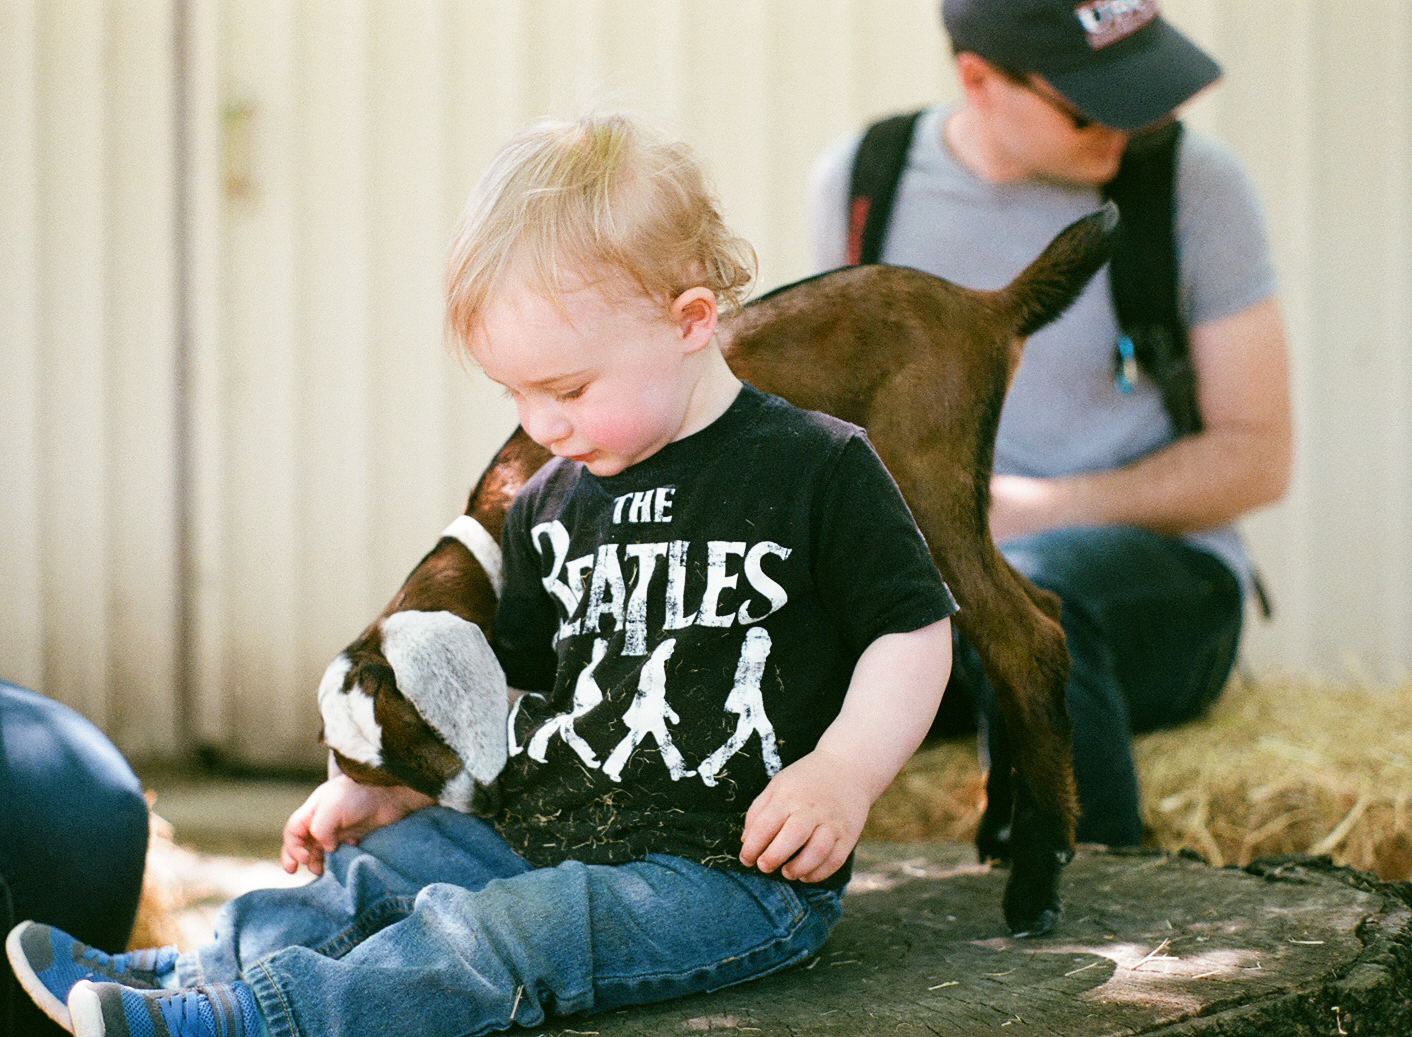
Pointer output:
x,y
1050,284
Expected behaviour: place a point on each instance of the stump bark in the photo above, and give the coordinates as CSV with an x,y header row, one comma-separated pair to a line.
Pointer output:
x,y
1149,944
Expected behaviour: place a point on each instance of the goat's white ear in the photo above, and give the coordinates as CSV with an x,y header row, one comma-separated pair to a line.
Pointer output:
x,y
445,668
459,793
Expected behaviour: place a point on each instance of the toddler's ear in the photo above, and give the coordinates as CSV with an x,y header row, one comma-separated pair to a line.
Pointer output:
x,y
694,313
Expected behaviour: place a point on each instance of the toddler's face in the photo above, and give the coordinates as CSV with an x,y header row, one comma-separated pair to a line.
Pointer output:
x,y
595,379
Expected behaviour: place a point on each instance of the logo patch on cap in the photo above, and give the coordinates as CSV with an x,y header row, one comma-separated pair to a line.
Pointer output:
x,y
1106,22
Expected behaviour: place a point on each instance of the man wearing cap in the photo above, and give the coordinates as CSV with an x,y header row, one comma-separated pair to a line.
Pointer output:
x,y
1094,495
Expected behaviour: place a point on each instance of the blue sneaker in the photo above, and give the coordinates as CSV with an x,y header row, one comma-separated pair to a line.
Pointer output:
x,y
112,1010
48,962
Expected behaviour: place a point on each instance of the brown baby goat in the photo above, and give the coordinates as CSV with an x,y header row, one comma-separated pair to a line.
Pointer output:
x,y
923,365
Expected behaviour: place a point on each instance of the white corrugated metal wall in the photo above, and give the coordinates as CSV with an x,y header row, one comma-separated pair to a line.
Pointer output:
x,y
88,499
229,428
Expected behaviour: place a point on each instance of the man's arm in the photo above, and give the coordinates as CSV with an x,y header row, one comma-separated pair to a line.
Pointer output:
x,y
808,819
1240,460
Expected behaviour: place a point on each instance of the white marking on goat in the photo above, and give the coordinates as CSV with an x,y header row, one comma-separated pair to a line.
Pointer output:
x,y
458,792
481,545
445,668
349,724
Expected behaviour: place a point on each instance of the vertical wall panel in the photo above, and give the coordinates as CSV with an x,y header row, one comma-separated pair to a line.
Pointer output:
x,y
21,461
1397,253
561,66
333,470
1263,109
644,60
900,58
727,113
140,392
76,534
406,87
206,570
1346,456
89,407
261,349
793,62
485,98
482,104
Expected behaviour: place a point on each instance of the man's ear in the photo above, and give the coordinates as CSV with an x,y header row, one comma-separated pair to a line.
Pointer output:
x,y
694,315
975,76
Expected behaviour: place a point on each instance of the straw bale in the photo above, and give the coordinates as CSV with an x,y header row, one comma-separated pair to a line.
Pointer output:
x,y
1279,765
1287,765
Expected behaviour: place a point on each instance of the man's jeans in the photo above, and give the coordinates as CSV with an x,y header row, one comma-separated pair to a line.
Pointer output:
x,y
1152,627
433,925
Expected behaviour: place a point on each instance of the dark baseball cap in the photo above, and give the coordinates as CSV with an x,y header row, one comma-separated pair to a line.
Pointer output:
x,y
1116,61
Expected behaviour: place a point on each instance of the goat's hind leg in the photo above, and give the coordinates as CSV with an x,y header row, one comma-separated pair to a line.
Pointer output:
x,y
1020,645
1030,821
994,830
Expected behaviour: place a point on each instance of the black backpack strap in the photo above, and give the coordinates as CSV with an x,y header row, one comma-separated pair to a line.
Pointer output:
x,y
1143,275
877,169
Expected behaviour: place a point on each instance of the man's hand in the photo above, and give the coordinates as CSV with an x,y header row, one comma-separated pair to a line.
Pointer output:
x,y
1240,460
342,811
807,820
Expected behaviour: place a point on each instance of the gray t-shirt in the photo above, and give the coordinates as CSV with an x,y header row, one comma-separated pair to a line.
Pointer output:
x,y
1064,413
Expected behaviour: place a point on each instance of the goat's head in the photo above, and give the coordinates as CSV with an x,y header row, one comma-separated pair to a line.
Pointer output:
x,y
420,700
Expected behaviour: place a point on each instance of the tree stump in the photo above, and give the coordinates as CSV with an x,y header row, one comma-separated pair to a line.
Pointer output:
x,y
1149,945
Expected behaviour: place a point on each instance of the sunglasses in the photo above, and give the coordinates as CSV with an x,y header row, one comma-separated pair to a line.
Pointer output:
x,y
1077,119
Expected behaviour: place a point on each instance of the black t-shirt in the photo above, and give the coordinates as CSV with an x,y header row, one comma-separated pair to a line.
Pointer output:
x,y
689,626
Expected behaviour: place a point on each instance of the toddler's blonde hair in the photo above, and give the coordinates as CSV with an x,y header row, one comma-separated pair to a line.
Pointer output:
x,y
603,201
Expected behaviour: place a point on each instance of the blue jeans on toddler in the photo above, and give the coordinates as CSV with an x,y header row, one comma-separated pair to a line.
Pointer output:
x,y
433,925
1152,625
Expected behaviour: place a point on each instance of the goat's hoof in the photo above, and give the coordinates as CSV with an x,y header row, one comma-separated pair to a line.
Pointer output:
x,y
1031,901
1032,907
1042,924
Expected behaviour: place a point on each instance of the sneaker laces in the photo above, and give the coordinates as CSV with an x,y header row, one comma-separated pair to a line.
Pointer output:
x,y
181,1013
145,963
208,1011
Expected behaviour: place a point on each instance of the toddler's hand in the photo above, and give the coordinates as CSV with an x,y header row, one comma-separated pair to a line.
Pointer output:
x,y
807,820
341,811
